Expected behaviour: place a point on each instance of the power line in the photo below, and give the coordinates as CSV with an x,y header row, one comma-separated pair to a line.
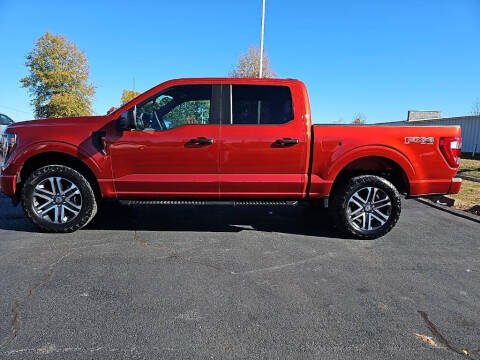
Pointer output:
x,y
11,108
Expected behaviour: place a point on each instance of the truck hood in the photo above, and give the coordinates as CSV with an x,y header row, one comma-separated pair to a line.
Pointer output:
x,y
58,122
76,131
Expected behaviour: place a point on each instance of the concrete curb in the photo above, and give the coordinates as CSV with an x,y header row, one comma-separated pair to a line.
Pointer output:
x,y
471,178
450,210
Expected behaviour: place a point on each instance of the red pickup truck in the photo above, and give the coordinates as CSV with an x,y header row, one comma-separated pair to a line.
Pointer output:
x,y
224,140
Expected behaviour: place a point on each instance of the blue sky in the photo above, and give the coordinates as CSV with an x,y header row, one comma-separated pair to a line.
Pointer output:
x,y
380,58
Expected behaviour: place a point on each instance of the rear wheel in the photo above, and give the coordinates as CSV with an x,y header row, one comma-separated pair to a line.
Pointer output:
x,y
57,198
365,207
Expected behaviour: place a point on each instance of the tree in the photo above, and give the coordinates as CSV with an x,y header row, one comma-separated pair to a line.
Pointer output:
x,y
249,65
190,112
58,80
359,119
128,95
476,108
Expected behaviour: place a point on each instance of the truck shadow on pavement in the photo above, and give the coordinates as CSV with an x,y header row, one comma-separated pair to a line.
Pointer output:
x,y
298,220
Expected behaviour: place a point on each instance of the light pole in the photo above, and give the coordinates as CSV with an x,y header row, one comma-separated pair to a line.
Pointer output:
x,y
260,75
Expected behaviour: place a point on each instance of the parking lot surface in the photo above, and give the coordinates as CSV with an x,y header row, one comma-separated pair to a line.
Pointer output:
x,y
239,282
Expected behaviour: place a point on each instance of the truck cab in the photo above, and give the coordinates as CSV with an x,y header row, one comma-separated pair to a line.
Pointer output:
x,y
217,141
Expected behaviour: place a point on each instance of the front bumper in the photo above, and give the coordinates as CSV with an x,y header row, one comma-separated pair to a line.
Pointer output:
x,y
8,184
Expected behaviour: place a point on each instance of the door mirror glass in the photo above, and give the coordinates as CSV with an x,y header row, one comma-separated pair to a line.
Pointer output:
x,y
126,121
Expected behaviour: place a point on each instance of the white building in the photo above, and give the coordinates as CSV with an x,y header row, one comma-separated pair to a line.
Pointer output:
x,y
470,126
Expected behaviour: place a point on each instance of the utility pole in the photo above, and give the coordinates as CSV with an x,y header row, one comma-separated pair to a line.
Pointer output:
x,y
260,75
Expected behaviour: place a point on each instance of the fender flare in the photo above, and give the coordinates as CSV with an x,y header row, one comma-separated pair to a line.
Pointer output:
x,y
371,151
37,148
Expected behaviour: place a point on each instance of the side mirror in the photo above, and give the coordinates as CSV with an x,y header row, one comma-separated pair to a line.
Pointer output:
x,y
126,121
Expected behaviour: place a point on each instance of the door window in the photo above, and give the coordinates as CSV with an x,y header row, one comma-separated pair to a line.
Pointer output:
x,y
174,107
261,104
5,120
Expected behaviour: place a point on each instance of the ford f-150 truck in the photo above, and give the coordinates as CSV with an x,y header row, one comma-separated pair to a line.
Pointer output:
x,y
224,140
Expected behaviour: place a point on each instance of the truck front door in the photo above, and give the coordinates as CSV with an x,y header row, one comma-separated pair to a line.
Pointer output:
x,y
173,150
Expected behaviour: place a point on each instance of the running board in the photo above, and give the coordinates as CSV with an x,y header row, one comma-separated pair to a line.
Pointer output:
x,y
211,202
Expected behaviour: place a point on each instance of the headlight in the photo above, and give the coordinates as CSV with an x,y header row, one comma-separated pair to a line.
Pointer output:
x,y
8,143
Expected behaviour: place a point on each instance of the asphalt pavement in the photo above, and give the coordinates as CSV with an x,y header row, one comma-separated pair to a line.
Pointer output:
x,y
239,282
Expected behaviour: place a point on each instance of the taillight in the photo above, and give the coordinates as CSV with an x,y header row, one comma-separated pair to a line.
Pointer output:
x,y
451,148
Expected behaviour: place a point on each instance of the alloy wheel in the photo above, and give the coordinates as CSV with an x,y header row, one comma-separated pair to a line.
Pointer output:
x,y
57,200
369,209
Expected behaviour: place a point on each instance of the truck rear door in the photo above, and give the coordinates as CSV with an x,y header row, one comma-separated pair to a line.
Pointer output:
x,y
263,143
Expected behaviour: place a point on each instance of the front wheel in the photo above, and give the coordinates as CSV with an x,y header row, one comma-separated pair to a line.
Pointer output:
x,y
365,207
57,198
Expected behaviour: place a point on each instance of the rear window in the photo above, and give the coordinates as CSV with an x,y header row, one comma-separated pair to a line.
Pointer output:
x,y
261,104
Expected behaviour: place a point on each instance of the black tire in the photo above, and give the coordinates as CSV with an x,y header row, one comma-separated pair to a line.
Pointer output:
x,y
88,202
340,208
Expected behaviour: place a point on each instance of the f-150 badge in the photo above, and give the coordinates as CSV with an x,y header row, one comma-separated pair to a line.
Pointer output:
x,y
419,140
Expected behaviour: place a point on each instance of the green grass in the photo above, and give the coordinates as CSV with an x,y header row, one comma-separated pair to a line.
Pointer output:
x,y
468,198
469,167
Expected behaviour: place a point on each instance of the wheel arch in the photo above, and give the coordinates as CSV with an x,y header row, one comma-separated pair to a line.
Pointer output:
x,y
378,160
56,157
